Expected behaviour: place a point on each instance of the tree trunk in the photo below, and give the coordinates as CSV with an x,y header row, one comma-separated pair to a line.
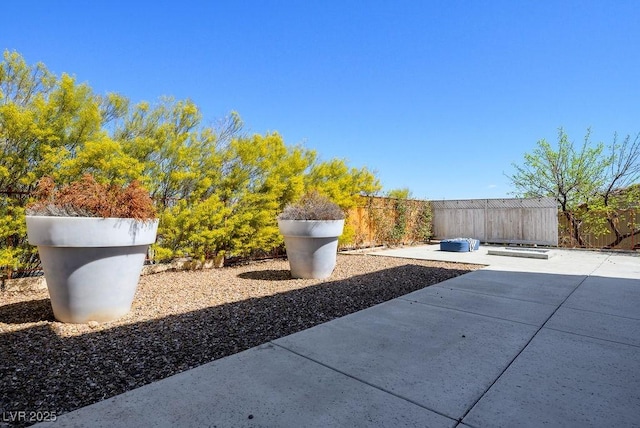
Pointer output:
x,y
575,228
620,236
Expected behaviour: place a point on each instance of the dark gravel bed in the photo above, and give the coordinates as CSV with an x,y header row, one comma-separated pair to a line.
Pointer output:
x,y
180,320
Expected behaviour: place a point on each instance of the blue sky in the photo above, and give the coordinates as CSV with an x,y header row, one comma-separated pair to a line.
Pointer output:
x,y
437,96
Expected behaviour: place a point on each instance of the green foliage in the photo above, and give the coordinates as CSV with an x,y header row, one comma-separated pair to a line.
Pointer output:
x,y
394,221
44,122
216,190
13,229
104,159
399,229
194,228
591,182
423,229
260,175
166,141
380,222
403,193
344,186
570,175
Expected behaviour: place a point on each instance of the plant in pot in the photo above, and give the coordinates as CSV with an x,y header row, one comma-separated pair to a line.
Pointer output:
x,y
311,229
92,240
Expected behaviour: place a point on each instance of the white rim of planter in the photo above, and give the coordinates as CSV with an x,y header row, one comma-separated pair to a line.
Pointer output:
x,y
90,231
311,228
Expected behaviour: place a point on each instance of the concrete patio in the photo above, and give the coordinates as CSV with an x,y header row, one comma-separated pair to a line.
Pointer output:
x,y
521,342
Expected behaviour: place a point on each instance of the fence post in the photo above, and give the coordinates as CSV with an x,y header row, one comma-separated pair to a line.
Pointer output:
x,y
633,228
486,220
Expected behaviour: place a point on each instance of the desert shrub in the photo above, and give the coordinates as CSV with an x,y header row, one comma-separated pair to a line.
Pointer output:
x,y
217,190
399,229
396,220
312,206
88,198
424,222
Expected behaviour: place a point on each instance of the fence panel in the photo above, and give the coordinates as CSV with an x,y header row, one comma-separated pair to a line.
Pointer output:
x,y
387,221
526,221
627,222
517,221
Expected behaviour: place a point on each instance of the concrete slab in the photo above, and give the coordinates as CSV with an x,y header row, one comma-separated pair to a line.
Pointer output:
x,y
613,296
561,380
570,262
596,325
432,252
482,304
564,261
550,289
439,358
528,253
620,266
264,386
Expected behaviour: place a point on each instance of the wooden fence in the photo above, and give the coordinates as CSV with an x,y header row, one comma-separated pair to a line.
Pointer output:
x,y
627,221
503,221
388,221
516,221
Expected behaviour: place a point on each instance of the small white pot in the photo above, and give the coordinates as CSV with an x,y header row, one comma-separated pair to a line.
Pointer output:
x,y
311,246
92,265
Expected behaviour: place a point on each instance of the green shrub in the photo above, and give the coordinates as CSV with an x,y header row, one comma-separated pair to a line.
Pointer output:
x,y
217,191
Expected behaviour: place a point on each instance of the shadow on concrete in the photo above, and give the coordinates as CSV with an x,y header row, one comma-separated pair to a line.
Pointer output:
x,y
41,370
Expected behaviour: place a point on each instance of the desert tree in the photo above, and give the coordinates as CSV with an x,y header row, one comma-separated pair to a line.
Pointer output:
x,y
586,180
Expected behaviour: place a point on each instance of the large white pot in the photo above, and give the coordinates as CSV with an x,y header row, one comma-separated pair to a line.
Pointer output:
x,y
311,246
92,265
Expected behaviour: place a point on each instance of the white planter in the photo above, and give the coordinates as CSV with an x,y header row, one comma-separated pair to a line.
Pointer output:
x,y
92,265
311,246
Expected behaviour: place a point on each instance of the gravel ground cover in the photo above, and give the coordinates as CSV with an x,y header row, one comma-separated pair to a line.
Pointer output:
x,y
181,320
